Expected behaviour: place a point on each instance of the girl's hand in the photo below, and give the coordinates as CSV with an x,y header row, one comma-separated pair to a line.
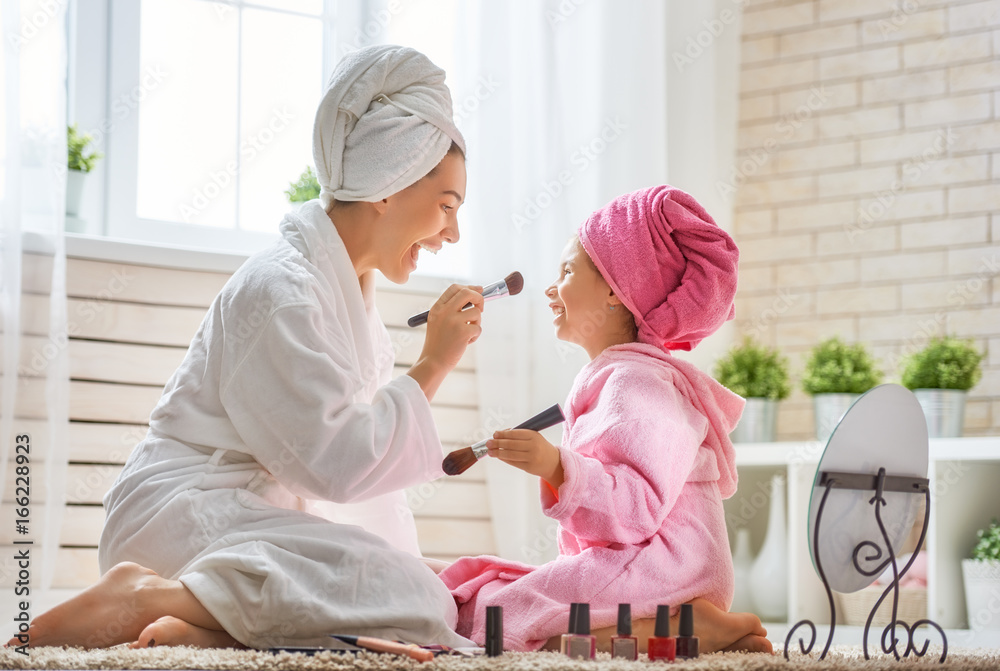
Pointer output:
x,y
529,451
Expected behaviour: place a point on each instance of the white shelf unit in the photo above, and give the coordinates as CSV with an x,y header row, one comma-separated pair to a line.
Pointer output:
x,y
964,478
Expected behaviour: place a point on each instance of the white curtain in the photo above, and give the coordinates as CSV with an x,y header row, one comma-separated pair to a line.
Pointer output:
x,y
566,105
34,405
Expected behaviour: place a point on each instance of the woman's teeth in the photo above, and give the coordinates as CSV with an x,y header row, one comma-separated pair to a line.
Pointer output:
x,y
427,249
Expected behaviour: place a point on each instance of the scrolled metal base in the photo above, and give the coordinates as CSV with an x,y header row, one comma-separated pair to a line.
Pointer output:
x,y
889,641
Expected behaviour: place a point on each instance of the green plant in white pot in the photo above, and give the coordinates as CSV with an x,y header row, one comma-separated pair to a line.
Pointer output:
x,y
940,376
836,374
304,189
760,375
80,160
981,574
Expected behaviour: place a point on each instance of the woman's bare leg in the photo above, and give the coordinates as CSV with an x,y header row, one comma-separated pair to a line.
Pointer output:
x,y
124,602
435,565
716,630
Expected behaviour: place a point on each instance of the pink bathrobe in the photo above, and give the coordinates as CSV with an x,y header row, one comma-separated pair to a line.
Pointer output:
x,y
647,461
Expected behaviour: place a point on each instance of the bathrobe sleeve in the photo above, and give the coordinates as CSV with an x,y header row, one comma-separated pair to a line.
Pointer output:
x,y
632,452
291,399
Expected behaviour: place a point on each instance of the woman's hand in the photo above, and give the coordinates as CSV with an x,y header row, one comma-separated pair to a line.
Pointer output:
x,y
450,330
529,451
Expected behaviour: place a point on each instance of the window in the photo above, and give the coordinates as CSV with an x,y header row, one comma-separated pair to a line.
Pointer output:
x,y
211,108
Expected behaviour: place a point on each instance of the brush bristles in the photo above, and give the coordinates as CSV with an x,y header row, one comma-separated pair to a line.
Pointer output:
x,y
459,461
514,283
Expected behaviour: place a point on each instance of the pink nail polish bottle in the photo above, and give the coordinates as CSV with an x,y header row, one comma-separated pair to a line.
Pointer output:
x,y
578,642
687,642
662,646
624,645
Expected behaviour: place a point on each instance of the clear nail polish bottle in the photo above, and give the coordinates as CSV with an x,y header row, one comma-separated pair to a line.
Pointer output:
x,y
624,645
578,642
662,646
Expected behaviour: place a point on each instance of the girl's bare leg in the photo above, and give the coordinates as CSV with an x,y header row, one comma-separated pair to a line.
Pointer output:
x,y
126,601
716,630
435,565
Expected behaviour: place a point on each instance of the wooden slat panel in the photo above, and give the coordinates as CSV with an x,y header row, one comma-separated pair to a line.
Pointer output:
x,y
77,568
127,322
103,443
458,389
106,402
30,401
142,284
34,315
408,344
445,498
455,425
82,525
395,307
36,273
455,537
85,483
38,429
120,362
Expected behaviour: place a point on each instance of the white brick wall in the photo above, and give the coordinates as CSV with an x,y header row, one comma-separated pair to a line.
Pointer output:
x,y
868,182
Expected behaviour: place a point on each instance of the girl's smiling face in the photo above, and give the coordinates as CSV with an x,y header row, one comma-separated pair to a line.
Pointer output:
x,y
581,300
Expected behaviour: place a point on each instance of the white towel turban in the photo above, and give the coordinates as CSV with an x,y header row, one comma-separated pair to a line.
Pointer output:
x,y
384,122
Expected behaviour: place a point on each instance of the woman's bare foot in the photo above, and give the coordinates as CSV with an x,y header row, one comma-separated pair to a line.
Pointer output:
x,y
116,610
716,630
172,631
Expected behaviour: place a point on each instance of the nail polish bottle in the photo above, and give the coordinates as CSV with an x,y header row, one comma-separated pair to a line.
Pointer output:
x,y
661,645
578,643
687,642
624,645
494,631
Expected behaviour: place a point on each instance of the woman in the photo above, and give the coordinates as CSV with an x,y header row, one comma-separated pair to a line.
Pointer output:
x,y
224,527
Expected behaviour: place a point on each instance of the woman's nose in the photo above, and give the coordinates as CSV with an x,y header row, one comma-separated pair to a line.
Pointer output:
x,y
450,233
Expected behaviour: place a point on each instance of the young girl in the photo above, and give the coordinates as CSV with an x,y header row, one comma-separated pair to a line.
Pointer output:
x,y
646,461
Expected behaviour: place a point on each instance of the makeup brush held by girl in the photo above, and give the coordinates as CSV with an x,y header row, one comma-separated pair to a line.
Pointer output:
x,y
508,286
459,461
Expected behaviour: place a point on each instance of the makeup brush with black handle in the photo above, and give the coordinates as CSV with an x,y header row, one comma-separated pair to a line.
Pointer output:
x,y
459,461
508,286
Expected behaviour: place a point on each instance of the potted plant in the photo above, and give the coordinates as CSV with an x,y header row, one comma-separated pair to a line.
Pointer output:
x,y
80,161
981,574
760,375
305,188
940,376
836,374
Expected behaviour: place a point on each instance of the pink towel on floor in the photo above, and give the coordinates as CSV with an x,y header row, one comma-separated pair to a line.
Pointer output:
x,y
647,461
663,227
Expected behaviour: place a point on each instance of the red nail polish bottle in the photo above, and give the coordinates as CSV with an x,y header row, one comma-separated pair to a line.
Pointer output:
x,y
687,642
624,645
578,643
661,645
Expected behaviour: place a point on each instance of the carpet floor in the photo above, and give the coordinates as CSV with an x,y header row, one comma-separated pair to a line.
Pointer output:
x,y
840,658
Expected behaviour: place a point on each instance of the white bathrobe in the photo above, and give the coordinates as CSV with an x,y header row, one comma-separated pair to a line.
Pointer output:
x,y
281,429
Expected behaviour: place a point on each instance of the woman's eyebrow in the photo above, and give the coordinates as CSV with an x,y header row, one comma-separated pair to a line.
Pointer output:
x,y
453,193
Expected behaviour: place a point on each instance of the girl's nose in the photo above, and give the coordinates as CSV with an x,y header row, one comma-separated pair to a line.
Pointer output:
x,y
550,291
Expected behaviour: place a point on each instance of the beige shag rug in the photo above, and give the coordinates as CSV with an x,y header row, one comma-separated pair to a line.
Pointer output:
x,y
840,658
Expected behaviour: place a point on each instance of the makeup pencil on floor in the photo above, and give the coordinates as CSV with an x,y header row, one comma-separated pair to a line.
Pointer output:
x,y
383,645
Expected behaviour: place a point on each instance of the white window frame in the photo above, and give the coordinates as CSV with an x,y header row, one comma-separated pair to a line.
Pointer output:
x,y
125,82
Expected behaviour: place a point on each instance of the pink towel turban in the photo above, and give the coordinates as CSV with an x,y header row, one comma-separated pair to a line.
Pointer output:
x,y
668,262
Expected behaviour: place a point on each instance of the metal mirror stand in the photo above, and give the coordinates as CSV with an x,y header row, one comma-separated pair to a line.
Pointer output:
x,y
878,483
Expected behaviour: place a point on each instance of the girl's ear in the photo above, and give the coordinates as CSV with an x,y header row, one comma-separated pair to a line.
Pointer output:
x,y
612,299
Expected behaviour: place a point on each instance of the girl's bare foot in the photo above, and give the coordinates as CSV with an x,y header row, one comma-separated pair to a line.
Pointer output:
x,y
750,643
116,610
172,631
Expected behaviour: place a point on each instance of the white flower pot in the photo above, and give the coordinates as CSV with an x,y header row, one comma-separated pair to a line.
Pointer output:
x,y
769,574
74,191
944,410
982,593
829,409
758,422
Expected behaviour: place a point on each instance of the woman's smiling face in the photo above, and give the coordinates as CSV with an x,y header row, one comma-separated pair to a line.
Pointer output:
x,y
421,216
